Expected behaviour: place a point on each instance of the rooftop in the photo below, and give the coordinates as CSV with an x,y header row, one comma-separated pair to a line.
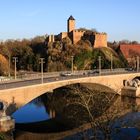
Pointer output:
x,y
130,50
71,18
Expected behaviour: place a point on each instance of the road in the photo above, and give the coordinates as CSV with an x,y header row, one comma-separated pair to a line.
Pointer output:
x,y
32,81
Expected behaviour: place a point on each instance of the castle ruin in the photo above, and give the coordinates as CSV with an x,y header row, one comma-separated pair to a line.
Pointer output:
x,y
96,39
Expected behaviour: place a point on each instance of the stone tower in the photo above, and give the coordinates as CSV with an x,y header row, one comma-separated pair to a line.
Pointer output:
x,y
71,24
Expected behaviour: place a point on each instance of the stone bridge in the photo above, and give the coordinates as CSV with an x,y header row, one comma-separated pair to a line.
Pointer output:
x,y
20,96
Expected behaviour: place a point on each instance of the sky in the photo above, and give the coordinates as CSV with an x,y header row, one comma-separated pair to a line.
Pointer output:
x,y
19,19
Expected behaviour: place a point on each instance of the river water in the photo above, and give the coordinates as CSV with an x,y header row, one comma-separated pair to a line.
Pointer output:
x,y
57,116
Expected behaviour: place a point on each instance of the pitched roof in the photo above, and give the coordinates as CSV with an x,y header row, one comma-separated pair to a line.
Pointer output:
x,y
71,18
130,50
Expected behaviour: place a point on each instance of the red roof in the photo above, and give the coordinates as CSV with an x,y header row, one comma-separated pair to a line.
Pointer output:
x,y
130,50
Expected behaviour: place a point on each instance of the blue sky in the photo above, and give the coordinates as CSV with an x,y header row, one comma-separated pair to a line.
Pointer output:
x,y
28,18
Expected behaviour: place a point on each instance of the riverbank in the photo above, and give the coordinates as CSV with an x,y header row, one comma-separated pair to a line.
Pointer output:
x,y
23,135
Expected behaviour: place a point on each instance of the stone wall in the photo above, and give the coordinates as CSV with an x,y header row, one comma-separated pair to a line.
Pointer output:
x,y
77,36
97,39
100,40
62,35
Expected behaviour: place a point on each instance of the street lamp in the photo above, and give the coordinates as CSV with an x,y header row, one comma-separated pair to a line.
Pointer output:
x,y
72,64
9,66
15,60
99,59
138,63
111,67
42,62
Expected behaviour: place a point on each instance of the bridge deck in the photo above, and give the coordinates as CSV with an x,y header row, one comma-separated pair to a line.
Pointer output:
x,y
34,81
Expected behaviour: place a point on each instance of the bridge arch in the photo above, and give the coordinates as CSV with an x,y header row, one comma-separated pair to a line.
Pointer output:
x,y
22,95
137,77
82,83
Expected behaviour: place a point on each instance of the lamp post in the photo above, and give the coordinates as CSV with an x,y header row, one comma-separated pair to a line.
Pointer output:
x,y
72,64
138,63
111,66
99,59
15,60
42,62
9,66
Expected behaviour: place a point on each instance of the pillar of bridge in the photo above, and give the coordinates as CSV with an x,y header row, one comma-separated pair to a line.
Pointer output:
x,y
52,113
130,91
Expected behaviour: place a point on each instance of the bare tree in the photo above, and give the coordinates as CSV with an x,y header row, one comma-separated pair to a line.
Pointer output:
x,y
97,109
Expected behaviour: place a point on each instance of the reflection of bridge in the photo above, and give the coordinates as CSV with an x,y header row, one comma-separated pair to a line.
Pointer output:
x,y
22,93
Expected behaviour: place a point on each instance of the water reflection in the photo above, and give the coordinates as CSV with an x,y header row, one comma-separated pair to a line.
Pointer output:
x,y
59,112
32,112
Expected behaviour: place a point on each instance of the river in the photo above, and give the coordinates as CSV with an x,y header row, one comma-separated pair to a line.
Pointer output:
x,y
58,115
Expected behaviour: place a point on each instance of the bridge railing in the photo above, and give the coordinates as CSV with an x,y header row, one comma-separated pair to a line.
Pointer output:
x,y
79,73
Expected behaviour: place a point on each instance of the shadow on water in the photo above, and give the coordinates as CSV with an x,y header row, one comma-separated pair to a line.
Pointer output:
x,y
64,115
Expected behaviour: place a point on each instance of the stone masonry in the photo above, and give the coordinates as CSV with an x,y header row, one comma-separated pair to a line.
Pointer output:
x,y
97,39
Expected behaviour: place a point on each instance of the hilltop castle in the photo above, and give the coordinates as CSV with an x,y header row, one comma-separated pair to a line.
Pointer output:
x,y
96,39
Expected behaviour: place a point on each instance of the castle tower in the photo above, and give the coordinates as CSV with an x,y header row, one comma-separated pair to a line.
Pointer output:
x,y
71,24
51,38
100,40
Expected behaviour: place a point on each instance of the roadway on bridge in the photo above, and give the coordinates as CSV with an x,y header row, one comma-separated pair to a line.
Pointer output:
x,y
21,83
24,82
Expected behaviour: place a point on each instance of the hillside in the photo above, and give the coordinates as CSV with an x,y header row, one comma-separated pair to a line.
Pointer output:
x,y
105,54
90,59
58,55
115,57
